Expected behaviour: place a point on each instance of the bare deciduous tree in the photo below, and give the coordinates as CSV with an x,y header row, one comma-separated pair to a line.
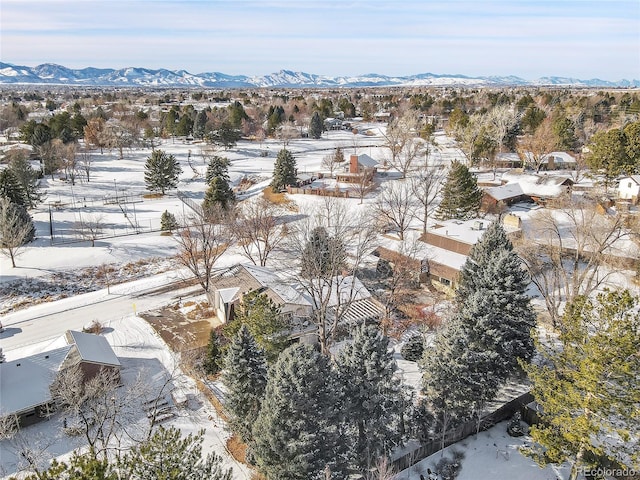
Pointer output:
x,y
258,230
395,206
534,149
426,186
567,248
91,227
331,245
404,143
201,243
84,163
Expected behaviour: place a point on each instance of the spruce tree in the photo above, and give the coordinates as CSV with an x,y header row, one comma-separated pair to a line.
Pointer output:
x,y
200,124
315,126
168,221
161,171
11,188
245,377
214,358
297,434
27,177
460,194
264,321
218,196
284,172
587,385
492,294
218,167
373,398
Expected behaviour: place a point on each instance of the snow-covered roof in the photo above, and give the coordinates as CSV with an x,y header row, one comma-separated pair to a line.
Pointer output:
x,y
366,161
538,185
446,257
228,294
467,231
24,383
93,348
503,192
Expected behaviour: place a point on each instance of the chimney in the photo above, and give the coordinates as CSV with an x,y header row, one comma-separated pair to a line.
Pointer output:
x,y
353,164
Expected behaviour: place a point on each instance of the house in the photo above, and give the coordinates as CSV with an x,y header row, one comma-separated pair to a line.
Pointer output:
x,y
450,242
539,188
25,382
347,294
629,188
495,199
359,166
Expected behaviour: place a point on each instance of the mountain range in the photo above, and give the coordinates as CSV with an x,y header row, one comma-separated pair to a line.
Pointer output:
x,y
52,74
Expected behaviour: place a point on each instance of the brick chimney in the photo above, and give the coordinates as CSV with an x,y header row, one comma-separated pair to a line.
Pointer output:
x,y
353,164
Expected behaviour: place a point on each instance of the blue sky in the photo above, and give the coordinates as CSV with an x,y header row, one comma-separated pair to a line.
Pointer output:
x,y
578,38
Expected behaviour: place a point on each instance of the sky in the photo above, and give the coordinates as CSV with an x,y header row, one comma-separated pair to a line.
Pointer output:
x,y
531,39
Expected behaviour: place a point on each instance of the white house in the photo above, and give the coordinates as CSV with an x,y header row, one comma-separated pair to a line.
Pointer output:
x,y
629,188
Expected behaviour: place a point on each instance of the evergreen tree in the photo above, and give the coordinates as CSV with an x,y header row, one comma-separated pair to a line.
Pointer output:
x,y
315,126
245,377
489,334
491,294
460,194
374,403
443,379
588,385
413,349
167,454
218,167
79,467
323,255
27,177
214,357
296,435
11,188
284,172
264,321
218,196
200,124
168,222
161,171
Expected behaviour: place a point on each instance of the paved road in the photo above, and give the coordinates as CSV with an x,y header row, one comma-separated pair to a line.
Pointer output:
x,y
48,321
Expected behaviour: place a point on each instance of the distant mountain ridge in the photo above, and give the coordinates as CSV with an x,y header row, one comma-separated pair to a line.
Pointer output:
x,y
52,74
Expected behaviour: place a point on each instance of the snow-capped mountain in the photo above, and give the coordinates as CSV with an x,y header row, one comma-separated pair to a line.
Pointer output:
x,y
52,74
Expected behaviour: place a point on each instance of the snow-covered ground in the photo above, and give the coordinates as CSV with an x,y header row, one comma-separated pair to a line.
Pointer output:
x,y
490,455
141,351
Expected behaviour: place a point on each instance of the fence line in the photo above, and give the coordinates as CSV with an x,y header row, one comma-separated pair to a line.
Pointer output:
x,y
324,192
461,432
189,202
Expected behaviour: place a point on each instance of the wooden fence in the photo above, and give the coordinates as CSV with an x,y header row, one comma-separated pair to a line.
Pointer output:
x,y
324,192
461,432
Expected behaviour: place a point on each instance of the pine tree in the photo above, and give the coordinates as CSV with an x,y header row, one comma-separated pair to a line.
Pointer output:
x,y
167,454
218,196
214,357
323,255
11,188
443,379
284,172
315,126
168,221
374,403
460,194
245,377
161,171
264,321
27,177
588,385
218,167
296,435
491,294
200,124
